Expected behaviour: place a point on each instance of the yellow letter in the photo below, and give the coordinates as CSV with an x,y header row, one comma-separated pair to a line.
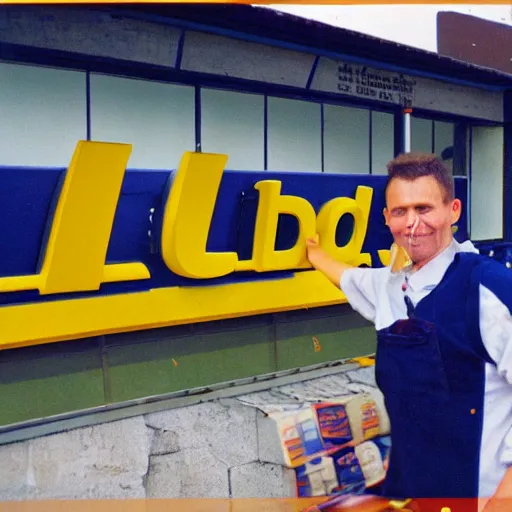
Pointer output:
x,y
328,219
188,215
74,259
78,242
384,256
271,203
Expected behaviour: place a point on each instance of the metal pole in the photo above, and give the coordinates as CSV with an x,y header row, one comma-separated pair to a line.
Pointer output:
x,y
407,129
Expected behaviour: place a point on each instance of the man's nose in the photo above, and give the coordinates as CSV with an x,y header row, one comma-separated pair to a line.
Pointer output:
x,y
411,218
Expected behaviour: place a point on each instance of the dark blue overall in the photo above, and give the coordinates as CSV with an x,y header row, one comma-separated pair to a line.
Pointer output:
x,y
431,370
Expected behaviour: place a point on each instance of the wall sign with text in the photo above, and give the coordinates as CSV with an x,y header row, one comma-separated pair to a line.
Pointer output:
x,y
365,82
96,249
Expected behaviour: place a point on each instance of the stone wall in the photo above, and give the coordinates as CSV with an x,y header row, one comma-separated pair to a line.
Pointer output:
x,y
205,450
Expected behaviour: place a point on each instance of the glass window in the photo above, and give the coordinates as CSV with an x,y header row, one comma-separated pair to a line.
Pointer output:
x,y
443,136
232,123
444,142
156,118
487,183
421,135
294,135
383,141
346,140
43,114
445,139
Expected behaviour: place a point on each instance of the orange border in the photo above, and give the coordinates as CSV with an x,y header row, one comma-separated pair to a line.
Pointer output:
x,y
270,2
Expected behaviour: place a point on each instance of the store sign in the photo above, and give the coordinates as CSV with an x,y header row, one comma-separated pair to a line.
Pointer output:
x,y
375,84
97,250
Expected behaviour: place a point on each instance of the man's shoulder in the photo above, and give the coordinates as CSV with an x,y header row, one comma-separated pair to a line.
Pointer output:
x,y
491,274
374,274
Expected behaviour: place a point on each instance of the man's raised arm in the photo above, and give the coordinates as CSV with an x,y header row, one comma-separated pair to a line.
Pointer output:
x,y
321,261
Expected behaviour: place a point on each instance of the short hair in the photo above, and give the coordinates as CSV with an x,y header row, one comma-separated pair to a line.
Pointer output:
x,y
411,166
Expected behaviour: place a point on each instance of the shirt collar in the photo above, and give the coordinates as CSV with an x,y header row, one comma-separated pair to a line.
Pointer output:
x,y
430,275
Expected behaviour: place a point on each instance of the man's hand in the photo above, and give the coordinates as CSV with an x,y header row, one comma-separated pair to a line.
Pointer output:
x,y
314,251
321,261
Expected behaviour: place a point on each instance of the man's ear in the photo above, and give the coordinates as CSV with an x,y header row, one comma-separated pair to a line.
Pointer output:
x,y
456,210
386,215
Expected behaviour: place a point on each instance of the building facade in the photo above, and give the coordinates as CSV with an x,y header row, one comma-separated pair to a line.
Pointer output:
x,y
313,106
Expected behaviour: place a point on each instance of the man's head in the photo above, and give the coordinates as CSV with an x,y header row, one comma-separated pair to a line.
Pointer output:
x,y
420,205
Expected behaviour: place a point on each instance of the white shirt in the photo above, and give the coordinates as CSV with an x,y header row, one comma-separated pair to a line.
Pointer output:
x,y
378,296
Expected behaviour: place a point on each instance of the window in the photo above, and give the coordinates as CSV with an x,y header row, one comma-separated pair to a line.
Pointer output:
x,y
486,183
156,118
348,133
346,140
445,139
43,114
294,135
232,123
421,135
383,141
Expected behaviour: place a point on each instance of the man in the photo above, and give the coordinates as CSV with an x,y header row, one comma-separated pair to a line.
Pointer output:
x,y
444,342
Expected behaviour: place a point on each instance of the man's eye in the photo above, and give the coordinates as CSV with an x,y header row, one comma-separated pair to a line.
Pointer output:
x,y
423,209
398,212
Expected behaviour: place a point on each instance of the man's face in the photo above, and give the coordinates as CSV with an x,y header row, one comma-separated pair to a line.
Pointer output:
x,y
418,217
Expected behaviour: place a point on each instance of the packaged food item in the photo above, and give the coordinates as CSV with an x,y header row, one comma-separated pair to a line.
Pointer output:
x,y
372,458
289,438
317,478
350,419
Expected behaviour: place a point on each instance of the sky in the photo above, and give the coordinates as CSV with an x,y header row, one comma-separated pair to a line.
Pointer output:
x,y
413,25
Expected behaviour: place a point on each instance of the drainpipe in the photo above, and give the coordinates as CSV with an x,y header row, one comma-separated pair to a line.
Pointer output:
x,y
407,111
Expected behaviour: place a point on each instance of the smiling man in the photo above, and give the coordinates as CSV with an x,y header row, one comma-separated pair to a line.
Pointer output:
x,y
444,342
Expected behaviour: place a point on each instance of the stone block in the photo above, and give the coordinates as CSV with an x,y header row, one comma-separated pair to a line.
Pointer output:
x,y
164,442
227,431
270,448
190,473
103,461
262,480
16,478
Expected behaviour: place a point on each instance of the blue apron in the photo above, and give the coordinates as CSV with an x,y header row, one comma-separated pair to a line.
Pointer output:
x,y
431,370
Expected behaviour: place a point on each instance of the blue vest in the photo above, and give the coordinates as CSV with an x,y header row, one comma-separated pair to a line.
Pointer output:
x,y
431,370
